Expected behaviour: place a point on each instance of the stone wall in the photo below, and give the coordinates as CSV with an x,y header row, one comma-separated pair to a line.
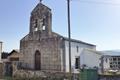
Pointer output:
x,y
50,52
29,74
1,70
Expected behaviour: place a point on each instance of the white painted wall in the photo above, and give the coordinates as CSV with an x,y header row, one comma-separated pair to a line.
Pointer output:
x,y
90,58
106,63
74,53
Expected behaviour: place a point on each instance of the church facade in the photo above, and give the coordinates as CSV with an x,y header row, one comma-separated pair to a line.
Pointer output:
x,y
43,49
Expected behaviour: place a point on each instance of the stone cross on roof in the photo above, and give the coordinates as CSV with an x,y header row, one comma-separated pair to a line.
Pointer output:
x,y
40,1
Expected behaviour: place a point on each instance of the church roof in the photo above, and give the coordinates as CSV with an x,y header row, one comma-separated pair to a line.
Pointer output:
x,y
74,40
94,51
79,41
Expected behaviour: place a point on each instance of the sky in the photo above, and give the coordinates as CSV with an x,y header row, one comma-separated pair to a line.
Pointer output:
x,y
92,21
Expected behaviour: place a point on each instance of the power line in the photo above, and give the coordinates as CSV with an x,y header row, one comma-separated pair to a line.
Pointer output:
x,y
96,2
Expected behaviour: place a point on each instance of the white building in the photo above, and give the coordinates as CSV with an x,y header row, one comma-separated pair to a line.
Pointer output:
x,y
90,59
111,61
0,50
82,54
77,48
86,57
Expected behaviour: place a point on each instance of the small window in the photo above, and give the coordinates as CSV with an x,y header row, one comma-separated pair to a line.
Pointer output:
x,y
77,48
114,59
119,63
111,66
35,24
110,59
36,29
111,63
43,21
43,28
119,59
119,66
77,63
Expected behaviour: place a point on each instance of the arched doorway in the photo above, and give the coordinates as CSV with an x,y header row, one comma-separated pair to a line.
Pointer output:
x,y
37,60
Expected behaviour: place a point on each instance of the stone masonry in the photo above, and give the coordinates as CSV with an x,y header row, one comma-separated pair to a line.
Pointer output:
x,y
41,48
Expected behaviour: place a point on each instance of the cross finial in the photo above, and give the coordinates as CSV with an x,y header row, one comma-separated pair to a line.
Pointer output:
x,y
40,1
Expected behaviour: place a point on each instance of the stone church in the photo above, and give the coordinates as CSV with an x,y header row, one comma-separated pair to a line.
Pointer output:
x,y
44,49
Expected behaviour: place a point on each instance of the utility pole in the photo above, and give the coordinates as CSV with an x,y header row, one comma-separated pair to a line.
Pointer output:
x,y
69,37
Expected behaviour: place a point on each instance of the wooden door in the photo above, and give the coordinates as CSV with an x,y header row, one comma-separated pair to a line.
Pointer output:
x,y
37,60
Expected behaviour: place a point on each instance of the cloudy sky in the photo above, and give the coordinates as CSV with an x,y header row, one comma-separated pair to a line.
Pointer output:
x,y
92,21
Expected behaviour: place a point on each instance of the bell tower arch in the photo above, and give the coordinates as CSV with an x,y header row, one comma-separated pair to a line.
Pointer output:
x,y
41,19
